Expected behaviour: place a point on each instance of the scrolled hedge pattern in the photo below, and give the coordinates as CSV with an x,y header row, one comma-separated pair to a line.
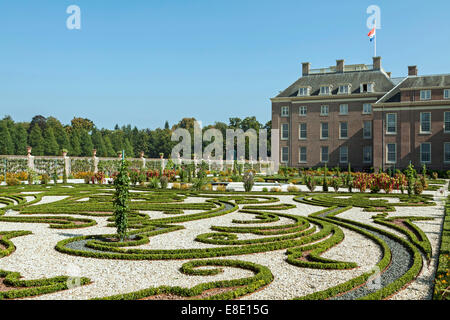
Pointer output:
x,y
304,238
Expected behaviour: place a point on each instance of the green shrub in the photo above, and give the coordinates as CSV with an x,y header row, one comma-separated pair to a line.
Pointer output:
x,y
248,181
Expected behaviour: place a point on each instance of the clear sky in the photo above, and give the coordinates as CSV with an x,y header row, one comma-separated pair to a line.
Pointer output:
x,y
142,62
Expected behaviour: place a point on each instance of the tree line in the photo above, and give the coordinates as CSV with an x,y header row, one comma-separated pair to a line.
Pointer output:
x,y
49,137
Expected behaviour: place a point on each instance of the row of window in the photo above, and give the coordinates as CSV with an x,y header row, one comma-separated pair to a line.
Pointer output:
x,y
391,153
425,152
326,90
325,110
425,123
426,94
324,130
324,154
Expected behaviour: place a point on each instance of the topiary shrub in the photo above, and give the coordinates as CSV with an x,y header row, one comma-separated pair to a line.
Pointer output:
x,y
164,181
248,181
418,188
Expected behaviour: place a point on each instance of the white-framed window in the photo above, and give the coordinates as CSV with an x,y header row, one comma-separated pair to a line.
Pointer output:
x,y
324,110
302,128
446,93
367,108
324,130
447,152
325,90
343,130
425,122
343,109
302,158
391,153
367,129
324,154
367,154
303,92
343,154
425,152
344,89
391,123
285,154
302,111
447,122
425,94
285,111
367,87
284,131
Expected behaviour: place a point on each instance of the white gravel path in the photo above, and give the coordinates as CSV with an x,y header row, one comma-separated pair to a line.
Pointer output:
x,y
35,256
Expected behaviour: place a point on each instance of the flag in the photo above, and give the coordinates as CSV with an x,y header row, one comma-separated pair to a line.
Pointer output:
x,y
372,33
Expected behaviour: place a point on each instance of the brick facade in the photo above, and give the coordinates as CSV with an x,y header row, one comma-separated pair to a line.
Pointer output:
x,y
400,96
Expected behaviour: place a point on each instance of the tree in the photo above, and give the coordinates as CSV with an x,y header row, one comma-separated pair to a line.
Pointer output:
x,y
75,146
51,147
20,139
99,143
128,148
109,147
36,140
6,143
166,125
121,195
82,123
86,143
39,120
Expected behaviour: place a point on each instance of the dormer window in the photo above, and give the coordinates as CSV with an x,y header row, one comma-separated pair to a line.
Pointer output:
x,y
325,90
344,89
367,87
447,94
303,92
425,94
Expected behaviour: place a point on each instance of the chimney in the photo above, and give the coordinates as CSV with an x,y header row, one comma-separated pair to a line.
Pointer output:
x,y
306,66
412,71
376,63
340,66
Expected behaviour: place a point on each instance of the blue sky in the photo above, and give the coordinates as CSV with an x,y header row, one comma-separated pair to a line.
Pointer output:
x,y
142,62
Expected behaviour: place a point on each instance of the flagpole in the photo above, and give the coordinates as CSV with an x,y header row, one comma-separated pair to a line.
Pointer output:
x,y
375,22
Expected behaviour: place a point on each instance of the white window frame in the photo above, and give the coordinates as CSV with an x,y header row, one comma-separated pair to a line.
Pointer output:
x,y
370,87
343,109
446,144
446,94
387,123
344,89
323,109
321,131
387,152
303,92
282,131
445,127
341,153
302,111
421,153
340,130
364,129
364,154
282,153
425,95
300,131
321,154
300,154
421,130
283,113
365,111
325,90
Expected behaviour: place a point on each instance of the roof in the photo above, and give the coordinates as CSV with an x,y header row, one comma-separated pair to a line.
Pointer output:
x,y
413,82
315,81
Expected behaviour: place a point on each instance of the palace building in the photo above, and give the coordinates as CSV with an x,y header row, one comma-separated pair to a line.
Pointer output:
x,y
359,114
